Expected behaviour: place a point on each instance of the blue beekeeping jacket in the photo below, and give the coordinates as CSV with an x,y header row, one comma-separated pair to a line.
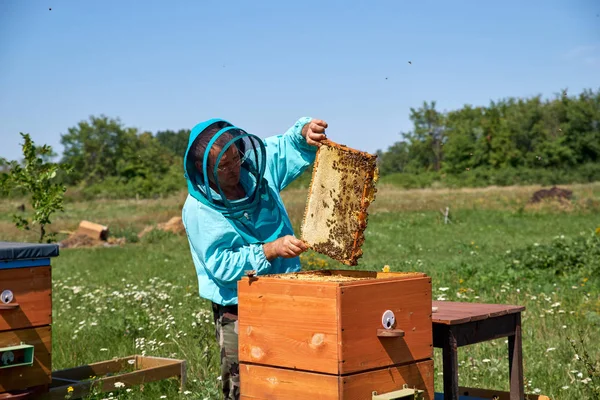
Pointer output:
x,y
223,248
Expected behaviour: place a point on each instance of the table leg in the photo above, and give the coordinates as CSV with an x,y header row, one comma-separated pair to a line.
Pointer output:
x,y
450,357
515,362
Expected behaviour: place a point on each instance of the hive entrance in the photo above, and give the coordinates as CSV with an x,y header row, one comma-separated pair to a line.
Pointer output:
x,y
341,190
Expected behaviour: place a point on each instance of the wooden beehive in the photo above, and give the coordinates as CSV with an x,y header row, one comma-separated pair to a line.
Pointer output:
x,y
341,190
320,334
25,316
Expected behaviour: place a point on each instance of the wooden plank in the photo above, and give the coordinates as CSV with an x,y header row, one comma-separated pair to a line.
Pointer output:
x,y
360,275
500,395
453,313
262,382
450,318
450,364
288,324
107,384
416,375
29,393
32,290
95,369
485,330
477,309
146,362
93,230
477,331
361,310
515,362
39,373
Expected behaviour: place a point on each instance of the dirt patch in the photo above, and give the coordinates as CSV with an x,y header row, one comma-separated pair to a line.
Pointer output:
x,y
174,225
553,193
78,241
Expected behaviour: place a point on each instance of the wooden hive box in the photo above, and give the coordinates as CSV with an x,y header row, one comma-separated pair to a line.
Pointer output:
x,y
321,334
25,317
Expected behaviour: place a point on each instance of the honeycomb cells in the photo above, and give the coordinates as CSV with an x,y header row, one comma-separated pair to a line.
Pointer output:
x,y
341,190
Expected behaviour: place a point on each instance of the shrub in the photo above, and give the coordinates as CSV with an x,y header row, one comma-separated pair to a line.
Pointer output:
x,y
562,256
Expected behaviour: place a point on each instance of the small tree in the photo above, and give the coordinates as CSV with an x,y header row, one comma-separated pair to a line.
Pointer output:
x,y
36,177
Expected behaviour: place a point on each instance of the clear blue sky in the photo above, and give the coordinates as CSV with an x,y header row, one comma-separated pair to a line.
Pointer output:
x,y
262,64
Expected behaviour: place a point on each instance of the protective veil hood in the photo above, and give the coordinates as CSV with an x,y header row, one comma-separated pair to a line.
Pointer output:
x,y
255,216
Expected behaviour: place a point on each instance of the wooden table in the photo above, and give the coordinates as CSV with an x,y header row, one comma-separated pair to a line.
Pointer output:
x,y
457,324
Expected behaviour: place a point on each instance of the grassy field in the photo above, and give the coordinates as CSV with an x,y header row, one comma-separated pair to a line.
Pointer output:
x,y
141,298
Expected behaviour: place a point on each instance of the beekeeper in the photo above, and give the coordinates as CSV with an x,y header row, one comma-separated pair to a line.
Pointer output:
x,y
235,219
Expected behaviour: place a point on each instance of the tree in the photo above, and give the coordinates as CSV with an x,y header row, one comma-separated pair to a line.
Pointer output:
x,y
395,159
95,148
558,137
176,142
37,177
428,136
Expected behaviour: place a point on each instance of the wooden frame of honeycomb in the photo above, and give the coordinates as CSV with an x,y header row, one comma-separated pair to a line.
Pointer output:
x,y
341,189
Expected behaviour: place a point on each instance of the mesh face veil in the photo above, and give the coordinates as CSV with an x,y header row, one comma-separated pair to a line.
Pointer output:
x,y
226,157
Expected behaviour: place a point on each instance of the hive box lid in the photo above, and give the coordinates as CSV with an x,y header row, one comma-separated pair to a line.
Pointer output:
x,y
14,251
337,277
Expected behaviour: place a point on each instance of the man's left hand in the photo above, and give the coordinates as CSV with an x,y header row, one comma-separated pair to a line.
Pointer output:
x,y
314,132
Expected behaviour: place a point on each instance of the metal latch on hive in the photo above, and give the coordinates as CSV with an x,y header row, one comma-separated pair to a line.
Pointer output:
x,y
405,393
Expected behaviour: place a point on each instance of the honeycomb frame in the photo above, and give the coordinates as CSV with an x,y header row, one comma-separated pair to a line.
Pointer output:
x,y
352,176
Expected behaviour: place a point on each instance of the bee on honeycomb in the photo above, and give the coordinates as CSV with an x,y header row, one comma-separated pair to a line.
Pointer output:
x,y
341,190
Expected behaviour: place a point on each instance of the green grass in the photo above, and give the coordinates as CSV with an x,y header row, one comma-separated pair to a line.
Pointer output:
x,y
142,297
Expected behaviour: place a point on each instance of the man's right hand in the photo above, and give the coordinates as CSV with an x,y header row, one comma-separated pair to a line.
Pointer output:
x,y
286,247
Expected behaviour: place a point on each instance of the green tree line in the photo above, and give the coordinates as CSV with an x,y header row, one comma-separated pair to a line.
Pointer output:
x,y
112,160
511,141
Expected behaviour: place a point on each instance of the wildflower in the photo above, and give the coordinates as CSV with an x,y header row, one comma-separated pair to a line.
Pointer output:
x,y
598,231
70,389
443,289
103,349
486,360
119,384
550,349
461,280
386,268
564,387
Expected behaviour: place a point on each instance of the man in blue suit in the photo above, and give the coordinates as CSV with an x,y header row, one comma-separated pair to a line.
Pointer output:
x,y
235,219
